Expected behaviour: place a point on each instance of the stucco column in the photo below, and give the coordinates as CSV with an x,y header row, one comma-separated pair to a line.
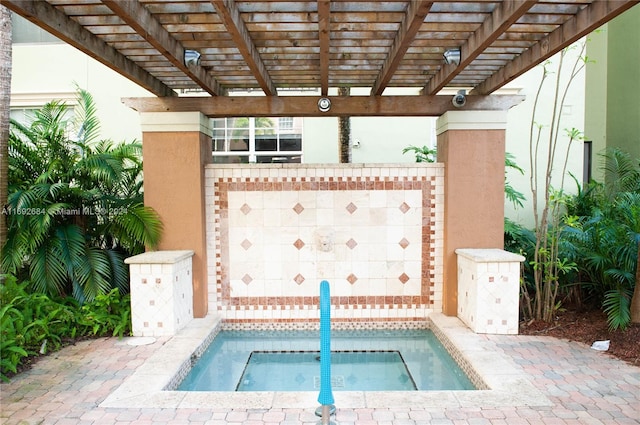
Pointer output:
x,y
175,148
471,144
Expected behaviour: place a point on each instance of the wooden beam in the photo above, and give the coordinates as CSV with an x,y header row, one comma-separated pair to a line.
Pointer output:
x,y
411,23
230,17
145,24
57,23
502,17
585,21
307,106
324,34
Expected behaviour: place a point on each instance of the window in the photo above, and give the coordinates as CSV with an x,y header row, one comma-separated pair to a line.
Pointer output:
x,y
24,105
286,123
257,140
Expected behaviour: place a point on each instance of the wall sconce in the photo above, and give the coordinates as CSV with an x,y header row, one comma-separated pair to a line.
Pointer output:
x,y
191,57
324,104
452,56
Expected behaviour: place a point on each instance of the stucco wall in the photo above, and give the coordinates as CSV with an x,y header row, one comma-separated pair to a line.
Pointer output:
x,y
613,87
43,71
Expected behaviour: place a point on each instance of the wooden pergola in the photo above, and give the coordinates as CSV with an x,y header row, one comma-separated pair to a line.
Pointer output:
x,y
276,46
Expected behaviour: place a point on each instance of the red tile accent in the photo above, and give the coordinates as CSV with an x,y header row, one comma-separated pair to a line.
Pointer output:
x,y
351,243
298,208
351,208
424,300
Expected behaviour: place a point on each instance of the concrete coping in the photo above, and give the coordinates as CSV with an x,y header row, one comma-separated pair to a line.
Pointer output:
x,y
490,255
159,257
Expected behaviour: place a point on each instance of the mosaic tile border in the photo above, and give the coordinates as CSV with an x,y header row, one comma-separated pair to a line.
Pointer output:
x,y
508,384
413,307
228,325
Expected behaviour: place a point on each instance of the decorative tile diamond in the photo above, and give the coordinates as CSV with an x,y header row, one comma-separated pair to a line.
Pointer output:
x,y
351,208
298,208
404,278
404,207
298,279
246,244
404,243
247,279
246,209
352,278
298,244
351,243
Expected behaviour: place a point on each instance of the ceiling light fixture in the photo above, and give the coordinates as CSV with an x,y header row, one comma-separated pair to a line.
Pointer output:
x,y
191,57
452,56
324,104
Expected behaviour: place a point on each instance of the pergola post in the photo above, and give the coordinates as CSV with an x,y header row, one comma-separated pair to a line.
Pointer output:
x,y
471,144
175,148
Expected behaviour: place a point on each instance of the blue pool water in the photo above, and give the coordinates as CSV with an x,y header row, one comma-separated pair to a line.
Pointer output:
x,y
361,361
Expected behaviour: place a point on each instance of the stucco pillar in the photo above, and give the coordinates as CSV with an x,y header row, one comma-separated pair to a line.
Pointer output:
x,y
471,144
175,148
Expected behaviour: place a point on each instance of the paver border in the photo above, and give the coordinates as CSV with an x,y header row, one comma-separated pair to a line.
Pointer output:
x,y
507,385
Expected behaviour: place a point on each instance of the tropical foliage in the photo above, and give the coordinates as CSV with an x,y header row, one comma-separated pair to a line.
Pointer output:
x,y
32,324
422,153
603,233
75,206
597,234
546,141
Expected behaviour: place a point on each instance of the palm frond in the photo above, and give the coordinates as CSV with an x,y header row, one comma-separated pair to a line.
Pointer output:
x,y
100,167
71,242
622,172
13,252
86,119
138,227
616,305
93,273
47,271
119,270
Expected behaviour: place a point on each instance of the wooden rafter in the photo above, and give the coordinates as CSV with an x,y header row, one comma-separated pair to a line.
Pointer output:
x,y
230,17
307,106
411,23
502,17
58,24
142,22
586,20
275,46
324,35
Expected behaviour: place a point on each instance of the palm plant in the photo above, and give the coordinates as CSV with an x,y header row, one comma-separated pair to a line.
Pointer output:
x,y
75,207
604,233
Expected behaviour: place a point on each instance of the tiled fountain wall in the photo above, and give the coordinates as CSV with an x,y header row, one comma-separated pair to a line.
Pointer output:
x,y
373,231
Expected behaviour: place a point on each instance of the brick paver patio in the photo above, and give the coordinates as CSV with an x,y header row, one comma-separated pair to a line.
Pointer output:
x,y
584,386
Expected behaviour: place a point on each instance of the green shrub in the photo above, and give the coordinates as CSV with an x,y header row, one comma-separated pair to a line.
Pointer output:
x,y
108,314
33,324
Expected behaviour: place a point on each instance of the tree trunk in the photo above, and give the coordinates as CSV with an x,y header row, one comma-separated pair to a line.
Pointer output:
x,y
344,131
5,95
635,300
